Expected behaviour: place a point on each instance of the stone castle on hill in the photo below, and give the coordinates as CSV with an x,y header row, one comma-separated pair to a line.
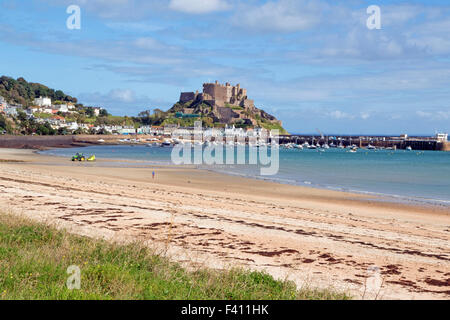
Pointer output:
x,y
216,94
225,104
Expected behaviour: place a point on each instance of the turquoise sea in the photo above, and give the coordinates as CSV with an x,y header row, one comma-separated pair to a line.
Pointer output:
x,y
402,175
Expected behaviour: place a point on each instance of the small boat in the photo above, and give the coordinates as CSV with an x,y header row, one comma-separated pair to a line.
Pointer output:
x,y
312,146
409,148
166,144
371,147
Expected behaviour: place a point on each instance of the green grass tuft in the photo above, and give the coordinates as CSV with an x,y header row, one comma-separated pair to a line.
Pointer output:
x,y
34,259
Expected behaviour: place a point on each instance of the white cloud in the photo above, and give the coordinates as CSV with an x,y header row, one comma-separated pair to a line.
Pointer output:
x,y
337,114
435,115
365,115
281,16
198,6
123,95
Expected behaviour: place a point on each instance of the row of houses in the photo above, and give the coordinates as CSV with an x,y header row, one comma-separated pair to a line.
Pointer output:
x,y
228,131
9,109
44,105
40,105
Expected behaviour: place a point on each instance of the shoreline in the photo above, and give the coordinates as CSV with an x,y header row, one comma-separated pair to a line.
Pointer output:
x,y
375,196
311,236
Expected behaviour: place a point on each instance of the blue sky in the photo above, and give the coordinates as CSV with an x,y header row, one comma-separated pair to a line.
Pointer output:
x,y
313,64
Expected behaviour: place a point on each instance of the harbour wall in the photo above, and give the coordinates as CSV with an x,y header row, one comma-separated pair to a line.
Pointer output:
x,y
416,143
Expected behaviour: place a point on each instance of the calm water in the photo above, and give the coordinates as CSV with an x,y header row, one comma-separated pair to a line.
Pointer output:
x,y
405,175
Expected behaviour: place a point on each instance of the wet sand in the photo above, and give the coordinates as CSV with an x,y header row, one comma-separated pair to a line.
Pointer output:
x,y
317,238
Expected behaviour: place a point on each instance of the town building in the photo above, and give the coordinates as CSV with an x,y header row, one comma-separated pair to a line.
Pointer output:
x,y
11,110
97,111
43,102
442,137
3,105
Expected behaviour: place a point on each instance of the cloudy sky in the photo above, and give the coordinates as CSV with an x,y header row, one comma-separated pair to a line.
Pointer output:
x,y
313,64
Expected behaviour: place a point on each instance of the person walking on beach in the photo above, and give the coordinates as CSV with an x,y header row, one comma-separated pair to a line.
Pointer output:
x,y
153,174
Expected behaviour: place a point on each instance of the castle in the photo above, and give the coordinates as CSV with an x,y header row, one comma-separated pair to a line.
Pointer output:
x,y
219,95
224,104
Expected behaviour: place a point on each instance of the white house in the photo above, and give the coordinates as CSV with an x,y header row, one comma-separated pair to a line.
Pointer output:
x,y
11,110
43,102
72,126
97,111
127,131
443,137
47,110
3,104
234,132
62,107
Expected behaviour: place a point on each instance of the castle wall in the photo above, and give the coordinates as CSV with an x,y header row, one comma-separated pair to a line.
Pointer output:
x,y
219,94
248,104
187,96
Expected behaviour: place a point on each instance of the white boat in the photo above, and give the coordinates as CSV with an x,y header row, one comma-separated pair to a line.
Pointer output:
x,y
326,146
409,148
371,147
153,144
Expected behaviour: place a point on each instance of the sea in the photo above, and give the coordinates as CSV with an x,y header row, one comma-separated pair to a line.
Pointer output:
x,y
398,175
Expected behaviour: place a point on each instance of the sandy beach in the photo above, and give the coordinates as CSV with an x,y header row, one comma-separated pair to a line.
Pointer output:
x,y
317,238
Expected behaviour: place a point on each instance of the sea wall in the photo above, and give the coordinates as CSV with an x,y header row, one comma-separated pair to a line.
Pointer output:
x,y
36,142
446,146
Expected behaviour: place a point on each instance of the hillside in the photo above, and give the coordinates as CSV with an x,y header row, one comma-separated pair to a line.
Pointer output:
x,y
221,116
22,92
218,106
222,104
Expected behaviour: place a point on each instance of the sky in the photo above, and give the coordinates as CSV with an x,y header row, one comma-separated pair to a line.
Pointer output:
x,y
314,64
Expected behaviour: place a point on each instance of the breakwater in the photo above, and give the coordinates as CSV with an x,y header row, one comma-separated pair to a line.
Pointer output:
x,y
401,142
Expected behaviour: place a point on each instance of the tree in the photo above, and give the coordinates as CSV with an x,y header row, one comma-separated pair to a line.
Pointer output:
x,y
89,111
59,95
5,125
62,131
145,114
103,113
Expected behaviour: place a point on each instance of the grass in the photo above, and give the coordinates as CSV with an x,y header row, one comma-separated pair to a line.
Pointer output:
x,y
43,115
34,259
